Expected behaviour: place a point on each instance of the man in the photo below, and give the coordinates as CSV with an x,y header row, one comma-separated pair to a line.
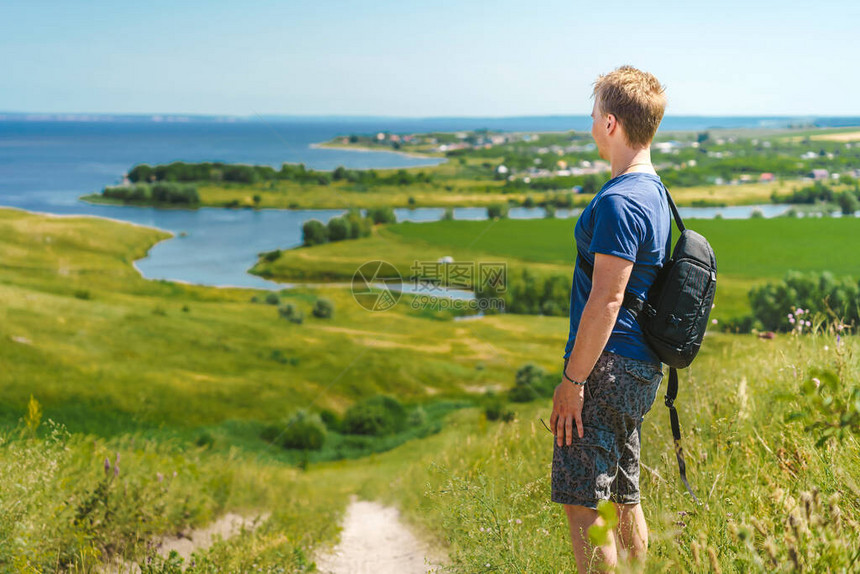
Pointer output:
x,y
610,375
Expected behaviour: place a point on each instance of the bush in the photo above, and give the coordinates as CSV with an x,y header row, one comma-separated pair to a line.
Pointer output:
x,y
272,299
291,313
848,203
523,394
314,233
303,431
331,419
497,210
495,408
358,226
323,308
382,215
744,324
550,211
448,215
531,294
270,256
531,382
174,193
377,416
417,417
774,305
338,229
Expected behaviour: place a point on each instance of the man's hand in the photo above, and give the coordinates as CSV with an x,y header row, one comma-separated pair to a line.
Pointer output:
x,y
567,410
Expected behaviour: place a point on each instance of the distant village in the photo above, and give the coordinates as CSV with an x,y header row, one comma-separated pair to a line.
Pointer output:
x,y
454,142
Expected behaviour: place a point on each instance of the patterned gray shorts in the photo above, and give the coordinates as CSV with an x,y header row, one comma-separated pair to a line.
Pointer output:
x,y
604,464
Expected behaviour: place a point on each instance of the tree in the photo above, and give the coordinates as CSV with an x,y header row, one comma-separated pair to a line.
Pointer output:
x,y
338,229
323,308
590,184
382,215
376,416
497,210
314,233
848,202
303,430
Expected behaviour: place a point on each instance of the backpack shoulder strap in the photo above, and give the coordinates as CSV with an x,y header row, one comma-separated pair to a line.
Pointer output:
x,y
632,302
671,395
677,216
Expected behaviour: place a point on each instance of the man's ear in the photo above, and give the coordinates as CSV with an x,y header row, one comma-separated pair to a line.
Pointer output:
x,y
611,123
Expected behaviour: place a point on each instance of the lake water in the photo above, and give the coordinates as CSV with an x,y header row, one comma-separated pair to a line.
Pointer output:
x,y
46,165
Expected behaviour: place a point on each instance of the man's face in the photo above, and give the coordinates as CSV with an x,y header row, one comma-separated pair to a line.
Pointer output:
x,y
598,130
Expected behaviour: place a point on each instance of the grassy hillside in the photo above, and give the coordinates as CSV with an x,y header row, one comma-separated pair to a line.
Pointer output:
x,y
157,378
106,351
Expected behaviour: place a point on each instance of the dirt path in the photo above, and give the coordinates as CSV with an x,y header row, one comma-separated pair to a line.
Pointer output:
x,y
189,542
375,541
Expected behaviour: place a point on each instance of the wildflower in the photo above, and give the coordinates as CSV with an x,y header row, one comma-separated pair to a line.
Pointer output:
x,y
107,466
817,382
518,521
159,476
826,348
791,319
116,470
809,323
713,321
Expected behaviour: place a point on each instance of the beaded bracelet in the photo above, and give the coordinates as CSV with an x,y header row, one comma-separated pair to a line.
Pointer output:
x,y
582,384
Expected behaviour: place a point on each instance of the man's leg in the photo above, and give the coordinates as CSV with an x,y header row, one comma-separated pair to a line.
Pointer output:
x,y
632,531
589,558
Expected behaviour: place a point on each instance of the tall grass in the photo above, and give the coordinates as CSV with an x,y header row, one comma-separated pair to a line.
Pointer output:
x,y
71,502
772,499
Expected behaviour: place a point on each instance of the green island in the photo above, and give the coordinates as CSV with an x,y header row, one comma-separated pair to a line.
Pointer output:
x,y
484,168
135,408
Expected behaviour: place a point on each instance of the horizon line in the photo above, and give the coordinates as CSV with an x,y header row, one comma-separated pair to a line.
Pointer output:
x,y
257,116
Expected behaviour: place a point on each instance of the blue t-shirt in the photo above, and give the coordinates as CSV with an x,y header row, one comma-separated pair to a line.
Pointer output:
x,y
629,218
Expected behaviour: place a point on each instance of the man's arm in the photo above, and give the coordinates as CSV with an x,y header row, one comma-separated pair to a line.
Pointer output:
x,y
609,281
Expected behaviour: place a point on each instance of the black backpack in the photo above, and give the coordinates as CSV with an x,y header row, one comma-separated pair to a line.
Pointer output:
x,y
675,314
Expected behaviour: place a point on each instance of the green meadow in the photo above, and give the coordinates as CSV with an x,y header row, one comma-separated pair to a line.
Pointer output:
x,y
171,384
749,251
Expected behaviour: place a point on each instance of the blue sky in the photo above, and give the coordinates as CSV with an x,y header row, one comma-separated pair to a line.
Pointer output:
x,y
427,58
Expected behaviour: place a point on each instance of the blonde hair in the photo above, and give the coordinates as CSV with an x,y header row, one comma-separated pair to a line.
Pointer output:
x,y
635,98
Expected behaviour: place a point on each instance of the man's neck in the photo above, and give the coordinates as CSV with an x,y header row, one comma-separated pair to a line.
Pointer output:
x,y
628,160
